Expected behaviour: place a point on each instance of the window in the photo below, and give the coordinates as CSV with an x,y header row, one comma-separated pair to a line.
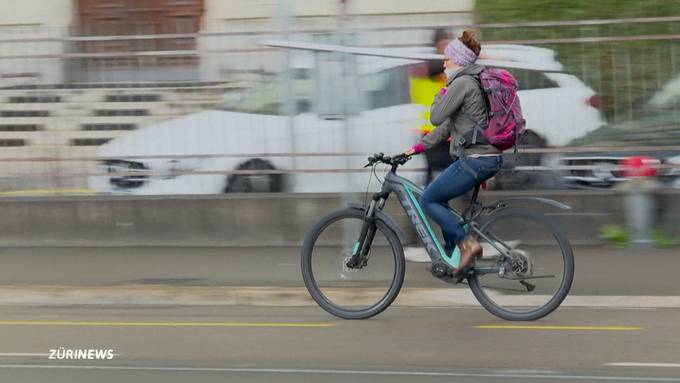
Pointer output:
x,y
268,97
20,128
133,98
120,112
386,88
185,24
25,113
89,141
34,99
95,127
12,142
381,89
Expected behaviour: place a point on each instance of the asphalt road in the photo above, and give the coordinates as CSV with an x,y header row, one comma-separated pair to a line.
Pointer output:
x,y
599,271
236,343
175,344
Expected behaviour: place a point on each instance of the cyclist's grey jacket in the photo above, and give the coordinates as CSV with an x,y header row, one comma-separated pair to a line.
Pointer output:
x,y
456,113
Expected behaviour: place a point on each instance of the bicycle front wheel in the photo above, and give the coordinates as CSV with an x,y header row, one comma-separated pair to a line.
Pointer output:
x,y
535,277
352,292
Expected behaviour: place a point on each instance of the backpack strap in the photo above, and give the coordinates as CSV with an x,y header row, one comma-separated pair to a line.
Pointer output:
x,y
460,142
462,157
478,129
523,123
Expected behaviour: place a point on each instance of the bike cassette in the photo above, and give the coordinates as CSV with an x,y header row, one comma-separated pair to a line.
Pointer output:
x,y
521,263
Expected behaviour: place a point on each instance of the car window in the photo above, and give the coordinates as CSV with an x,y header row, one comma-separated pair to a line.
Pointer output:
x,y
381,89
268,96
530,79
386,88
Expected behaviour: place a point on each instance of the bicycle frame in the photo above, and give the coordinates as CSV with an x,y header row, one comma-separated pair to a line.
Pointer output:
x,y
408,194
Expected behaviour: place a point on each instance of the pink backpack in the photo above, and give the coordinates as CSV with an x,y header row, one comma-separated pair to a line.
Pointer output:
x,y
506,123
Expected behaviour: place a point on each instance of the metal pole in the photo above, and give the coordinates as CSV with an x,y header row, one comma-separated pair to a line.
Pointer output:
x,y
345,90
349,231
284,21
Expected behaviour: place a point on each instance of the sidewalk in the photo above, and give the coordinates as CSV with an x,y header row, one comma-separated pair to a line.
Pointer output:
x,y
281,296
604,277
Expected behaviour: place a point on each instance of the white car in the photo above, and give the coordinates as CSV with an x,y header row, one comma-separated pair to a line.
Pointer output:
x,y
593,171
674,173
192,154
657,126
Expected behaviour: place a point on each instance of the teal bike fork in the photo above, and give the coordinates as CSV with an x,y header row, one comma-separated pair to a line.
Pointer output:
x,y
362,246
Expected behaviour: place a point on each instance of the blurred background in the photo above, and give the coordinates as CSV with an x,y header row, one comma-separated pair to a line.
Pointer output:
x,y
186,97
161,162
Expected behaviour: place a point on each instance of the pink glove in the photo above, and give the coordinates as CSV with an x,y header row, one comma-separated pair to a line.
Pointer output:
x,y
418,148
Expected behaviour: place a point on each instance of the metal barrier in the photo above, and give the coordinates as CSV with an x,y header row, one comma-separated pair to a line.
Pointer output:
x,y
50,134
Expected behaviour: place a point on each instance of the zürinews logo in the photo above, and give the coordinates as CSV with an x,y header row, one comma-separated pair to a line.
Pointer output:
x,y
62,353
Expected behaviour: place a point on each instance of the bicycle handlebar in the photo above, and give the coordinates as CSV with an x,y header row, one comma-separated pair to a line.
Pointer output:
x,y
395,160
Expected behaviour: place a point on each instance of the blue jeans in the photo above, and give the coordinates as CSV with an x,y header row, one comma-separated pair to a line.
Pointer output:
x,y
451,183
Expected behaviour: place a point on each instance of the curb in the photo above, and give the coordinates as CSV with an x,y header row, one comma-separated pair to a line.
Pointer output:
x,y
283,296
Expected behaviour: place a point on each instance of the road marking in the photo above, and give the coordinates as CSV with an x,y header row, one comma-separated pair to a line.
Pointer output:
x,y
540,375
565,328
633,364
47,192
163,324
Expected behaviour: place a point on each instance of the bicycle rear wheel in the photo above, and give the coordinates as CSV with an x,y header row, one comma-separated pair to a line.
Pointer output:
x,y
351,293
536,277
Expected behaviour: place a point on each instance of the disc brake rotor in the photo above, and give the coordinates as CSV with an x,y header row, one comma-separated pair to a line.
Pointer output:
x,y
521,263
347,272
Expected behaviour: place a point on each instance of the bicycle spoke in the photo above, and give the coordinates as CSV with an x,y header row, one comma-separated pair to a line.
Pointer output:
x,y
339,278
535,275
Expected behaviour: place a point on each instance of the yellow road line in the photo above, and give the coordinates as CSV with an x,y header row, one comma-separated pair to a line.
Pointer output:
x,y
568,328
164,324
47,192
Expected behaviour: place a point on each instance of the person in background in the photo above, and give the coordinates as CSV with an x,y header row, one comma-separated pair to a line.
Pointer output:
x,y
438,157
435,68
430,75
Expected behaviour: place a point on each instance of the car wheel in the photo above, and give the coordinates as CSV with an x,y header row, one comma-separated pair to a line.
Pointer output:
x,y
254,183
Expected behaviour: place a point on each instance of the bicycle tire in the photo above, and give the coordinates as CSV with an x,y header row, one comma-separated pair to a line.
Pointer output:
x,y
567,278
312,286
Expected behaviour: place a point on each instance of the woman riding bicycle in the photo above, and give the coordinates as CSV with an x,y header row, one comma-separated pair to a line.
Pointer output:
x,y
457,110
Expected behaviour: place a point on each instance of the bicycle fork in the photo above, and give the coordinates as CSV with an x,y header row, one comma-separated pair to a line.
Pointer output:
x,y
362,246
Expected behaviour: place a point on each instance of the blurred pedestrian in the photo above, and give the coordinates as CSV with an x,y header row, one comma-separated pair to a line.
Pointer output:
x,y
437,157
436,67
